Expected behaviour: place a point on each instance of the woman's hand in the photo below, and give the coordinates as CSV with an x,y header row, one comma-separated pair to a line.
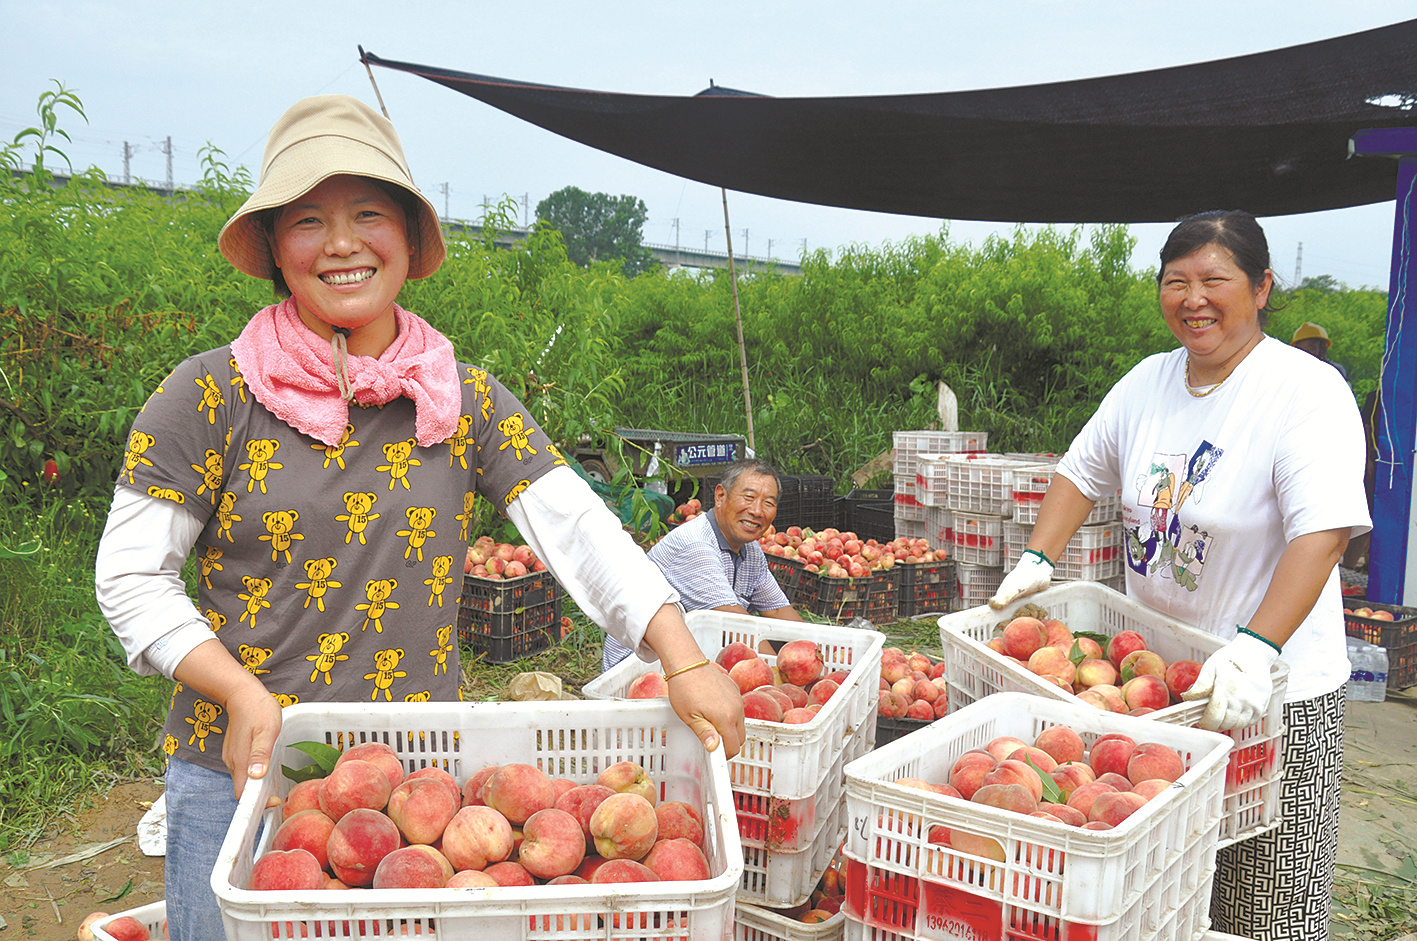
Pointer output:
x,y
711,705
252,714
1237,681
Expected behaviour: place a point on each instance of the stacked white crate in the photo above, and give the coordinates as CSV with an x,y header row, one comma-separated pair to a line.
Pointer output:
x,y
910,510
1094,554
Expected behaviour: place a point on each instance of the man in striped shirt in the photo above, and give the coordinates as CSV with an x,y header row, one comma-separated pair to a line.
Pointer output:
x,y
715,561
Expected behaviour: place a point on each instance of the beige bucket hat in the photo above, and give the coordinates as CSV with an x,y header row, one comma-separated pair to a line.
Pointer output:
x,y
318,138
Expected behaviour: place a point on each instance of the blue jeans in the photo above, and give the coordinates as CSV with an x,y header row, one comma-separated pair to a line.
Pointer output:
x,y
200,807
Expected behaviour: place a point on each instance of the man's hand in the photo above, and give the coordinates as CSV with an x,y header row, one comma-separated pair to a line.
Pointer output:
x,y
710,704
1236,678
1032,574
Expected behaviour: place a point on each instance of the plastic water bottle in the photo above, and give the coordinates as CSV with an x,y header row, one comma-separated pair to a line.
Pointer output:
x,y
1368,680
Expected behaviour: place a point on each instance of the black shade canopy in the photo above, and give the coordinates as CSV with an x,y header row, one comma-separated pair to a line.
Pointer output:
x,y
1266,132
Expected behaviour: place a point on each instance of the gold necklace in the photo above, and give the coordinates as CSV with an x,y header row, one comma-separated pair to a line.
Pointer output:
x,y
1193,392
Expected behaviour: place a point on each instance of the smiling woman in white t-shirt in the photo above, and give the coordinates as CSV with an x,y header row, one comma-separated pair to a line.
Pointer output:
x,y
1240,461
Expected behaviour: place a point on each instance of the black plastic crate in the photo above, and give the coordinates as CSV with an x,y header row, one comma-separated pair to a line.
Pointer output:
x,y
870,514
1398,636
872,597
505,620
788,573
924,587
890,728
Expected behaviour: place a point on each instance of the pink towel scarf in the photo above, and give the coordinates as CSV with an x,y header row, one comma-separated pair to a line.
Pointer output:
x,y
291,371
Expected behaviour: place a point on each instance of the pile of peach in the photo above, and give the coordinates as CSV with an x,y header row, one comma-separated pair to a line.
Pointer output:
x,y
1125,677
685,512
793,691
912,686
838,554
825,900
126,928
488,558
367,824
1056,778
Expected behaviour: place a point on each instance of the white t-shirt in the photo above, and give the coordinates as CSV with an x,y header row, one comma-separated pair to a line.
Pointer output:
x,y
1214,489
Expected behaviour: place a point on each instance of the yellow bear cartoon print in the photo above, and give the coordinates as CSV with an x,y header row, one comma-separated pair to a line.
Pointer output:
x,y
516,491
398,453
225,517
170,744
377,590
252,658
260,451
469,503
556,453
286,699
335,452
440,652
385,662
255,597
478,381
458,451
318,571
210,562
280,532
518,434
215,619
211,399
420,519
329,655
166,493
138,443
210,469
238,381
357,516
442,565
424,696
176,688
203,715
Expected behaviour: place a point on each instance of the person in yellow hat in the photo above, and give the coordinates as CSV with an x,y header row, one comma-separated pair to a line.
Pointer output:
x,y
1313,339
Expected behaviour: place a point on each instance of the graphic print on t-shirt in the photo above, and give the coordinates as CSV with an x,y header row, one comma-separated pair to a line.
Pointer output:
x,y
1163,545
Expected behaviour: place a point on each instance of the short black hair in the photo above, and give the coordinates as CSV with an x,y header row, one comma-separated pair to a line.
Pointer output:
x,y
1236,231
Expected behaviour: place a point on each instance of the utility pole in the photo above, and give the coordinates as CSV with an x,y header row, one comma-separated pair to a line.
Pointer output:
x,y
677,260
746,254
770,241
526,202
127,158
167,149
804,246
444,188
707,233
1299,266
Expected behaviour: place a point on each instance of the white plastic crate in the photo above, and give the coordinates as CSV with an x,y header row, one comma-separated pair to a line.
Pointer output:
x,y
1089,877
1093,554
753,923
907,504
1029,489
912,529
940,527
149,916
1256,764
910,444
931,479
982,483
978,538
776,824
784,761
784,879
976,584
566,739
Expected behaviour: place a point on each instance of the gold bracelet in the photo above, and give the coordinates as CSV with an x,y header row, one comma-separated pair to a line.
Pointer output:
x,y
692,666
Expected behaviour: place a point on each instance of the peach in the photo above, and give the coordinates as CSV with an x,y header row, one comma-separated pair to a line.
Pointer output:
x,y
376,753
282,870
1153,760
1143,663
472,789
510,873
1051,661
996,644
968,772
1123,643
1111,754
919,662
1083,798
359,841
733,653
302,796
1094,699
679,820
518,791
925,690
1096,672
623,870
761,706
895,669
1072,775
1039,758
750,674
1062,743
351,785
651,685
1003,746
439,775
1179,677
334,885
421,808
1120,781
127,928
1114,808
1010,771
1069,815
553,845
568,879
922,710
1112,696
942,707
783,700
1091,649
677,860
803,716
938,670
821,691
624,826
470,879
85,931
307,830
1096,825
592,862
1057,681
905,686
1146,692
800,662
796,693
476,837
1022,636
412,867
563,786
629,777
580,802
1056,634
1151,787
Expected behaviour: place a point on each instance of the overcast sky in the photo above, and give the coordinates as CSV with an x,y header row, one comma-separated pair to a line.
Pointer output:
x,y
222,73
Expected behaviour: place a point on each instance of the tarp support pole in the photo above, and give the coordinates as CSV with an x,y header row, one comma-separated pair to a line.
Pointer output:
x,y
1392,568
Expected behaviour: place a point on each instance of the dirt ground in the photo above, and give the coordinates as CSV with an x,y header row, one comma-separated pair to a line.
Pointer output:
x,y
92,861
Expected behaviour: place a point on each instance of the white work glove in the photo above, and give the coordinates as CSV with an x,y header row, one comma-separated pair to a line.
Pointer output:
x,y
1032,574
1236,678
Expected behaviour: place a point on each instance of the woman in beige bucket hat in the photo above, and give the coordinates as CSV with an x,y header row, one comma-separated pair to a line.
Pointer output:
x,y
324,466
